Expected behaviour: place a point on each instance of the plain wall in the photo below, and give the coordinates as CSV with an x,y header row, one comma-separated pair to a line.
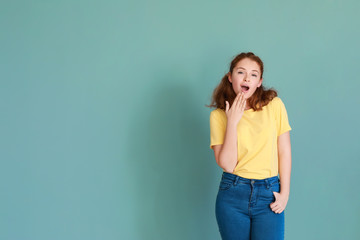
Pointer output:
x,y
104,129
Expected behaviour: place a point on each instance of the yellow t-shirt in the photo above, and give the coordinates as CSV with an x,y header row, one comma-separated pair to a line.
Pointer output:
x,y
257,133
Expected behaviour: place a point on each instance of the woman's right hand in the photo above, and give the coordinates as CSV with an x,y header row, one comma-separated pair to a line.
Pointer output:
x,y
236,111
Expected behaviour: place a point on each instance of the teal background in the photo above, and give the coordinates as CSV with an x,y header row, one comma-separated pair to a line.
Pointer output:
x,y
104,129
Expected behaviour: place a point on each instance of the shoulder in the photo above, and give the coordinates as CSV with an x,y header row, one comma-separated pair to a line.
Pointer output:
x,y
276,102
278,106
218,113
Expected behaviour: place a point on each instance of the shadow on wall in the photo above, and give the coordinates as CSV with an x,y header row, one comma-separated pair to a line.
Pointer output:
x,y
170,168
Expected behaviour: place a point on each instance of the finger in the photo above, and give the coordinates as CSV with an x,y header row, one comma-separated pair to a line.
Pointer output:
x,y
278,210
274,205
242,102
239,101
233,102
275,211
236,100
277,207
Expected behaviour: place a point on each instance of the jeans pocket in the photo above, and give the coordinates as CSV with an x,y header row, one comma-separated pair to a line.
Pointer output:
x,y
275,187
225,184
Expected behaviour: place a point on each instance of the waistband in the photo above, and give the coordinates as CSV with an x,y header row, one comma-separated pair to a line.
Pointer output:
x,y
236,179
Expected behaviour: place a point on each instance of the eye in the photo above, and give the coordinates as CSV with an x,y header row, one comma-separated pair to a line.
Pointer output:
x,y
240,72
254,75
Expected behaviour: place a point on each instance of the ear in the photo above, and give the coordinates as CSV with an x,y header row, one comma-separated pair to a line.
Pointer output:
x,y
260,82
229,77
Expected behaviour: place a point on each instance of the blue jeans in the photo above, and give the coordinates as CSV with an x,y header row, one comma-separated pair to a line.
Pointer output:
x,y
242,208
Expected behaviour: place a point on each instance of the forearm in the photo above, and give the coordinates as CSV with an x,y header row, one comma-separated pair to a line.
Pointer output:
x,y
285,172
228,153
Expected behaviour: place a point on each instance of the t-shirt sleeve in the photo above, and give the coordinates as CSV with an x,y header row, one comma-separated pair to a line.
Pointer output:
x,y
282,122
217,128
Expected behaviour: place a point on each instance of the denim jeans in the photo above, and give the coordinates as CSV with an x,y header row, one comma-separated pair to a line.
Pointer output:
x,y
243,208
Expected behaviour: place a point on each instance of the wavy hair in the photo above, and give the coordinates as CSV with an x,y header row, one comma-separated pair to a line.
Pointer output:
x,y
225,92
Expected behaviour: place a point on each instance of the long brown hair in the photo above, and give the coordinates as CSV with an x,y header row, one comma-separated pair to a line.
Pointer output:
x,y
224,91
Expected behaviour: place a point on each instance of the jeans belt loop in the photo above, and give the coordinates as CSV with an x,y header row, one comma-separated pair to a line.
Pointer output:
x,y
236,180
267,184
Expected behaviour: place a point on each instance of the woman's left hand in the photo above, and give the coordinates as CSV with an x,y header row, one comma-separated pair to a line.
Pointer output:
x,y
280,202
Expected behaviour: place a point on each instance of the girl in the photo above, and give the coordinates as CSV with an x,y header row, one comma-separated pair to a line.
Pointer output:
x,y
251,143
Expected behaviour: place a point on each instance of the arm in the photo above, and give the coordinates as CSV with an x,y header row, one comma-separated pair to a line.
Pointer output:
x,y
284,154
226,153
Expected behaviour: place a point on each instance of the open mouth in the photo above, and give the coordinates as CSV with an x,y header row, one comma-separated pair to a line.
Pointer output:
x,y
244,88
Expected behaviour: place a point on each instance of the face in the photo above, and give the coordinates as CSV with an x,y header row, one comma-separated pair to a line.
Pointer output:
x,y
245,73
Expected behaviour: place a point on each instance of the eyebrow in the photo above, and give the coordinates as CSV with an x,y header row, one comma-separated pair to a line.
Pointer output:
x,y
245,69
